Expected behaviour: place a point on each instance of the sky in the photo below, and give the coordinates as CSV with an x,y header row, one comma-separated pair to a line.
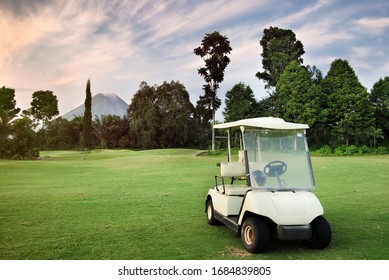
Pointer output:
x,y
58,45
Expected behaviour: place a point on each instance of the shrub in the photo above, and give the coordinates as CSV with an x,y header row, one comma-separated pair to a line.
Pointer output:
x,y
340,151
363,150
381,150
351,150
323,151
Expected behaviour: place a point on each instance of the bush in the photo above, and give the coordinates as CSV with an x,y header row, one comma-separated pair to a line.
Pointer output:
x,y
340,151
322,151
351,150
381,150
363,150
29,154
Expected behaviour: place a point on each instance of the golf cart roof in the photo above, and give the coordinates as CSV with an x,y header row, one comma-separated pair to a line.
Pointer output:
x,y
269,122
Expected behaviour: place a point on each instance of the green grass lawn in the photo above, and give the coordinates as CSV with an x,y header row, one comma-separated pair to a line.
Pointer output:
x,y
150,205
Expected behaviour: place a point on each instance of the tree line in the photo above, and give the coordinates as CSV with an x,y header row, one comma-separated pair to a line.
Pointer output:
x,y
338,109
159,116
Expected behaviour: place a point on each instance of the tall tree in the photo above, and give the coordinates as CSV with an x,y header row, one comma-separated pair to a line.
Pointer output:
x,y
379,97
351,115
87,119
213,50
8,112
161,116
143,117
240,103
299,99
175,113
266,106
44,106
8,109
24,144
202,126
316,74
279,48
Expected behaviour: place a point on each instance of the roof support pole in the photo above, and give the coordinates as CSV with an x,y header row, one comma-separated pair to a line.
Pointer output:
x,y
229,144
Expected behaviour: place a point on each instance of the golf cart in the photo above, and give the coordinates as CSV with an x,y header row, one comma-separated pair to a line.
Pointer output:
x,y
275,191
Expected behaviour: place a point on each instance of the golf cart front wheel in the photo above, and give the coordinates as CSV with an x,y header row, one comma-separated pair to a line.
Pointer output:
x,y
321,234
255,234
210,214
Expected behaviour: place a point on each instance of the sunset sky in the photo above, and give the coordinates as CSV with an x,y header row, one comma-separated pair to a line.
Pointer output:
x,y
57,45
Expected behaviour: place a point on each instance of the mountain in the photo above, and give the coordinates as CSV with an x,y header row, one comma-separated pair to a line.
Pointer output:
x,y
102,104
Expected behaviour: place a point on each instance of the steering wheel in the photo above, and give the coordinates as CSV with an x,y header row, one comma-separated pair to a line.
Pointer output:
x,y
275,168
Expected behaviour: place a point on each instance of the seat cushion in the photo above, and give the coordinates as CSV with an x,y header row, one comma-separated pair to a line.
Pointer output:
x,y
235,189
232,169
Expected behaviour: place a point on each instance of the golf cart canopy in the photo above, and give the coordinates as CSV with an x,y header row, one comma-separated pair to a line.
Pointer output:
x,y
275,153
269,123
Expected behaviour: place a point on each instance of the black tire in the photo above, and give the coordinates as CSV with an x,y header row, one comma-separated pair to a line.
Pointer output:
x,y
321,234
255,234
209,211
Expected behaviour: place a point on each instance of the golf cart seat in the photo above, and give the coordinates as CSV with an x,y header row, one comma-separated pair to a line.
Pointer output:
x,y
232,170
238,190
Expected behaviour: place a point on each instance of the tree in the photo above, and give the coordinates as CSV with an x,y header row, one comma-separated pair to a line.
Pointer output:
x,y
143,117
63,134
8,109
280,47
213,50
23,143
44,106
73,131
265,106
110,129
8,112
175,114
87,119
351,115
240,103
161,116
316,74
299,99
379,98
202,126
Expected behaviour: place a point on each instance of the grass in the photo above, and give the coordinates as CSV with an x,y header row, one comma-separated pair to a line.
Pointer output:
x,y
150,205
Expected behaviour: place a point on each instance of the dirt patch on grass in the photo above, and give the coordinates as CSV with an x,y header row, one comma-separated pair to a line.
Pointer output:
x,y
238,252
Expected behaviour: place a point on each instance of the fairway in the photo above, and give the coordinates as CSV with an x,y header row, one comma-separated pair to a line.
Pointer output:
x,y
148,205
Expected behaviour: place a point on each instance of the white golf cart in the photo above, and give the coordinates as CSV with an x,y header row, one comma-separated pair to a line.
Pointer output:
x,y
275,194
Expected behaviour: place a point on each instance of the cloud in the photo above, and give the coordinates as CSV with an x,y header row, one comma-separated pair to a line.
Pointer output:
x,y
301,15
376,26
14,36
367,51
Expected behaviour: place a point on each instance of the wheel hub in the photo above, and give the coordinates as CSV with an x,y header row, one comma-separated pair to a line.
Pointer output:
x,y
248,235
209,212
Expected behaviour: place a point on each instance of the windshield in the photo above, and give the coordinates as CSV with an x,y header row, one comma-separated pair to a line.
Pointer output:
x,y
278,159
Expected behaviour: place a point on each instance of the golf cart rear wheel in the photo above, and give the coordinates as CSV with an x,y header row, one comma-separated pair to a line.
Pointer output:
x,y
321,234
255,234
210,214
